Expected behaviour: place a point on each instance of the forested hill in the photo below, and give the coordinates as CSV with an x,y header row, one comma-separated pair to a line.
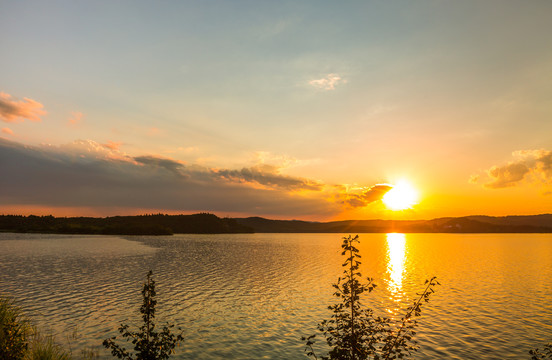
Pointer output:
x,y
204,223
123,225
468,224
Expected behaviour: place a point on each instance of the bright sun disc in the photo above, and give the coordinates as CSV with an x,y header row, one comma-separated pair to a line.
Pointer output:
x,y
402,196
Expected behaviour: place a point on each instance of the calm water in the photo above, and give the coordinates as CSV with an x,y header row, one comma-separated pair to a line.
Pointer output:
x,y
254,296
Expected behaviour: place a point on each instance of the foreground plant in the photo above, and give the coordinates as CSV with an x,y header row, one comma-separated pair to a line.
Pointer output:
x,y
20,340
148,343
44,347
353,331
545,354
15,329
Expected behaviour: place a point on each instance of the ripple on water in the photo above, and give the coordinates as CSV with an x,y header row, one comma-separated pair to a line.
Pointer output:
x,y
254,296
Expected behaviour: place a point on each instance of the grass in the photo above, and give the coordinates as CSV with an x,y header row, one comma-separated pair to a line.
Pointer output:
x,y
15,330
19,340
43,347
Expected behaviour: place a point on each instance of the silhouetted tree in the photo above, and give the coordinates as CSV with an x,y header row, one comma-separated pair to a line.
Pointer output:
x,y
353,332
148,343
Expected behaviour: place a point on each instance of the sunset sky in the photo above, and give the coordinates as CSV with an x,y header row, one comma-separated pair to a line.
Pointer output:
x,y
282,109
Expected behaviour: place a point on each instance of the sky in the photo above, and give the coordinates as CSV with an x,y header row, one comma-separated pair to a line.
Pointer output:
x,y
284,109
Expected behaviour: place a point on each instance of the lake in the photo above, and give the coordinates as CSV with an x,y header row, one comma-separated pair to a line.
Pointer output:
x,y
253,296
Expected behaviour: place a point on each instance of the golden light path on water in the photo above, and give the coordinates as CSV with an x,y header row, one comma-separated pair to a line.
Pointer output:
x,y
396,255
251,296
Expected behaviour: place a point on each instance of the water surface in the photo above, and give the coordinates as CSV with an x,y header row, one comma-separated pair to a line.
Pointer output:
x,y
253,296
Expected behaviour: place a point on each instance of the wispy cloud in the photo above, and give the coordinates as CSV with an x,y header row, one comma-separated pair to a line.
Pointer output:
x,y
188,149
278,161
112,145
174,166
7,131
329,82
265,175
76,118
528,165
267,171
474,178
13,110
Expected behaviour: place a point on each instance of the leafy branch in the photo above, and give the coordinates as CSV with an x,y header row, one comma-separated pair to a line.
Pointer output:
x,y
148,343
354,332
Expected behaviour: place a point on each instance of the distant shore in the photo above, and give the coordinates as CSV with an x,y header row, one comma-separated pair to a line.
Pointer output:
x,y
155,224
205,223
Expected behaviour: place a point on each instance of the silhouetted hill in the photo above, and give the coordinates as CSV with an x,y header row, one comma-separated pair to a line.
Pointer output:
x,y
123,225
204,223
544,220
467,224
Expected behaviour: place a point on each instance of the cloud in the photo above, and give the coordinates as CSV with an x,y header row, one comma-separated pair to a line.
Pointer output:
x,y
84,151
365,196
88,175
507,175
266,172
174,166
529,166
7,131
265,175
76,117
13,110
279,161
188,149
112,145
85,174
329,82
474,179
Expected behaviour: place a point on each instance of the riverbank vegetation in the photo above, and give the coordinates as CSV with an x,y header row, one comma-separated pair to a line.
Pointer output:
x,y
466,224
205,223
20,340
154,224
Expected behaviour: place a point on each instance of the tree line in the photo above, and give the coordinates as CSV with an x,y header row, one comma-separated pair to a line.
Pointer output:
x,y
154,224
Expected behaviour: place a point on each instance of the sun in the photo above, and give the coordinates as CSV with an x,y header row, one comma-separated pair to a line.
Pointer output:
x,y
402,196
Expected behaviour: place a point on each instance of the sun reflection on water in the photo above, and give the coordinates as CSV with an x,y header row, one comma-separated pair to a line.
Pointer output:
x,y
396,254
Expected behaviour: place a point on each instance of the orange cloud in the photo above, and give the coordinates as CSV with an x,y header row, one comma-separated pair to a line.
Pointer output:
x,y
7,131
76,117
474,179
112,145
13,110
506,175
530,165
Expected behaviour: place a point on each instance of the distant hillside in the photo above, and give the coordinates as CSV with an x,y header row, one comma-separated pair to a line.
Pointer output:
x,y
467,224
518,220
204,223
123,225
